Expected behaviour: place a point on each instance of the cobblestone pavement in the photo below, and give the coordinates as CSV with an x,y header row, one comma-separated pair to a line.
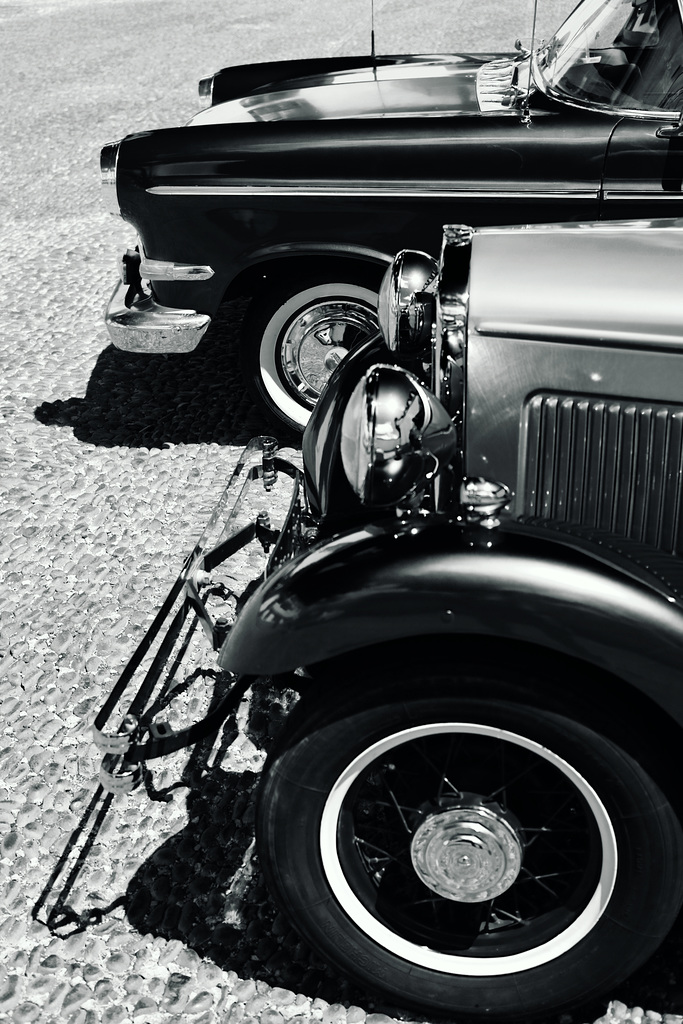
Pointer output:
x,y
110,465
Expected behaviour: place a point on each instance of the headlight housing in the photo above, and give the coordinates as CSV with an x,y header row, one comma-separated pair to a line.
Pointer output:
x,y
109,158
205,90
406,301
395,436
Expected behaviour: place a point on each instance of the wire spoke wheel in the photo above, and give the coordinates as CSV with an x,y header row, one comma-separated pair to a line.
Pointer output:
x,y
520,859
468,856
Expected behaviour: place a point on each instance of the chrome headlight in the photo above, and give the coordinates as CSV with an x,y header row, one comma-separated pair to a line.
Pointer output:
x,y
395,436
404,304
205,90
109,158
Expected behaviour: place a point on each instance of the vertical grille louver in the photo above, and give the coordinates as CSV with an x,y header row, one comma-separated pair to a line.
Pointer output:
x,y
612,464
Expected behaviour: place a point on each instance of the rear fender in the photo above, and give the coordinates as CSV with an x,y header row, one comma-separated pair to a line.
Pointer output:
x,y
374,585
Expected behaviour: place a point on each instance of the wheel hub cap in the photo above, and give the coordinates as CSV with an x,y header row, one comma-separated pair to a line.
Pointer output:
x,y
319,339
469,854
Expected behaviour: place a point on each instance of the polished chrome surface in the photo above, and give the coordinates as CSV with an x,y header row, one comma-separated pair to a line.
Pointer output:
x,y
401,315
494,84
146,326
469,854
205,90
482,500
109,156
640,196
451,323
394,437
613,464
605,283
315,342
372,189
167,270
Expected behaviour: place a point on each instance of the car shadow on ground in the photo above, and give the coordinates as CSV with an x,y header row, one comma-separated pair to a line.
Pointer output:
x,y
139,400
203,886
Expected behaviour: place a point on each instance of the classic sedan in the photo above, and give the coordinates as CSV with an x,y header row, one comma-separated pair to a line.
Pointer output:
x,y
301,179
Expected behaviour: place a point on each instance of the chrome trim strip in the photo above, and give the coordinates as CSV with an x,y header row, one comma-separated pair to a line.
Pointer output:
x,y
578,335
371,191
648,195
166,270
307,248
146,326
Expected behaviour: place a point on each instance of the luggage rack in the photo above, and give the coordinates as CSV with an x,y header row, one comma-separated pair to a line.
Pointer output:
x,y
139,736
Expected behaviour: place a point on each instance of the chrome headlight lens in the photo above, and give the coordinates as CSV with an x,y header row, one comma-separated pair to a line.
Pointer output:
x,y
109,158
205,90
404,304
395,436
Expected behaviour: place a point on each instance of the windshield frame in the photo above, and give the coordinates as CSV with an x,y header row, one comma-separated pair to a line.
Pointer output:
x,y
539,82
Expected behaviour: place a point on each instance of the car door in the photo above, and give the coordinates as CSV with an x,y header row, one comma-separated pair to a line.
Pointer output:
x,y
643,175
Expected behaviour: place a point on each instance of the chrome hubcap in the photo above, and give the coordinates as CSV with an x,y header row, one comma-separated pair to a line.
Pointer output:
x,y
317,340
469,854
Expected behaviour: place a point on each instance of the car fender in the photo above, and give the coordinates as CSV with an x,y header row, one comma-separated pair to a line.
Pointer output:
x,y
376,584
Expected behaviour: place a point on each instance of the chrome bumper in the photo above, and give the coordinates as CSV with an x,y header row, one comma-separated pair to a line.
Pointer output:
x,y
146,326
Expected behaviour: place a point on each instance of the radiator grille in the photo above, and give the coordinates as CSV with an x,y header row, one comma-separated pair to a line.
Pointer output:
x,y
612,464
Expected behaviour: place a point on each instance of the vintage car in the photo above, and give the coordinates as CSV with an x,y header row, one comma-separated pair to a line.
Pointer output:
x,y
475,805
302,179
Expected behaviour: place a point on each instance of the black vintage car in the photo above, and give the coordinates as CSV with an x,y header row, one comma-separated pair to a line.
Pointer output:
x,y
302,179
475,805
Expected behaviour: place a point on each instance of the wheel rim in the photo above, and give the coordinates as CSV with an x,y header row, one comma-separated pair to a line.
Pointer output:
x,y
546,853
316,340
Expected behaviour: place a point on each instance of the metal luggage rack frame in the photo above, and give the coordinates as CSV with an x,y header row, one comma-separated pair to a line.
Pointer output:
x,y
138,736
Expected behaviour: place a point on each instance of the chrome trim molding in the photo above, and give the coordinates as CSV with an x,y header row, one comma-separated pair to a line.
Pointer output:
x,y
146,326
310,248
579,335
377,190
166,270
640,196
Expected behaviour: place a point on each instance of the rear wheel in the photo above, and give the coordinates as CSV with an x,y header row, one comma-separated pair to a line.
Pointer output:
x,y
294,336
473,857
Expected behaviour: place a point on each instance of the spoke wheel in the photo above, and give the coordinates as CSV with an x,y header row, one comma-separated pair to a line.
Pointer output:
x,y
295,336
478,791
474,857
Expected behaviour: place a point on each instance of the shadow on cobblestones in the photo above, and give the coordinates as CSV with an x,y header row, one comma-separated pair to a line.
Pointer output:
x,y
203,886
136,400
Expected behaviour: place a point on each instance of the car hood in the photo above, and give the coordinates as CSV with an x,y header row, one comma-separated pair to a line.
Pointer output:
x,y
605,283
395,87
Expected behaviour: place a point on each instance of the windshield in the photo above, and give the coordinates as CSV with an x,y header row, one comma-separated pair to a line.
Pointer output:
x,y
620,54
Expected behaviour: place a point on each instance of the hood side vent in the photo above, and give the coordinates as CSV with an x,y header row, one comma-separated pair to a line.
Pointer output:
x,y
612,464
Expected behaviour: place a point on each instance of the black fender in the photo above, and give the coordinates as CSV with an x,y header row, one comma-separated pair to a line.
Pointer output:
x,y
379,583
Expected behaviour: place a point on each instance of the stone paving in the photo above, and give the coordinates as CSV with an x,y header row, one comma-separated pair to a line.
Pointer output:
x,y
110,465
